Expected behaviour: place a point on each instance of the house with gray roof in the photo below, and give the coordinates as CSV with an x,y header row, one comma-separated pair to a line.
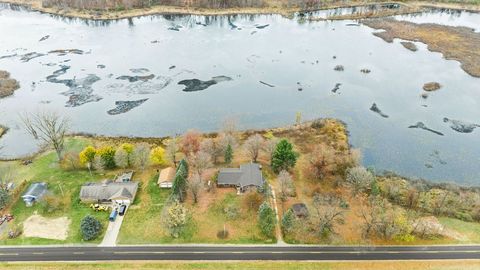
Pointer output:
x,y
34,193
108,192
246,177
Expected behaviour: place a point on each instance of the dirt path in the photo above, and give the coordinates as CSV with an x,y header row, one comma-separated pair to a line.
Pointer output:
x,y
278,229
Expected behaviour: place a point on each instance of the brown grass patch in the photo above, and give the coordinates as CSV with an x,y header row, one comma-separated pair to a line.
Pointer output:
x,y
455,43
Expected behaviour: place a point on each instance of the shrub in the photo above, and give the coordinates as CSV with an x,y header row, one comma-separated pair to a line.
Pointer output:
x,y
253,200
231,211
90,228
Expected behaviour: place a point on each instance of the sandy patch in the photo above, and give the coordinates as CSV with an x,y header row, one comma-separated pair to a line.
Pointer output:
x,y
38,226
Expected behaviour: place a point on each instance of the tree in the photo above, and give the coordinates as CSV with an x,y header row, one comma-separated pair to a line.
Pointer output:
x,y
195,185
183,165
90,228
190,143
200,162
322,161
212,147
4,197
171,150
288,220
49,127
328,213
121,158
157,155
284,157
98,164
141,155
70,160
266,220
359,179
107,154
270,146
179,185
226,139
176,218
253,145
228,154
229,126
87,155
129,149
287,188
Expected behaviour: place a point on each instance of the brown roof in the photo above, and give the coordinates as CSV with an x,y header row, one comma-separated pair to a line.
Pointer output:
x,y
166,175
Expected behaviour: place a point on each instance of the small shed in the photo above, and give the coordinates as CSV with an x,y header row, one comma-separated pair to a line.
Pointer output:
x,y
34,193
124,177
300,210
165,179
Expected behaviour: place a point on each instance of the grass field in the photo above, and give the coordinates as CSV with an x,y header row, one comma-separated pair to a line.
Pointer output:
x,y
207,219
64,184
264,265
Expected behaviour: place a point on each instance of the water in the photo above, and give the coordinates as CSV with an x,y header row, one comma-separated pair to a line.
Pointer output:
x,y
286,54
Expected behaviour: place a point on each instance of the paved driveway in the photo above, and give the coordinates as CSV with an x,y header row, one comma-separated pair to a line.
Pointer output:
x,y
110,238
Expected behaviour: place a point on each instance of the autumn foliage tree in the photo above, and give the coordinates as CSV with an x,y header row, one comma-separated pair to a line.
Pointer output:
x,y
190,143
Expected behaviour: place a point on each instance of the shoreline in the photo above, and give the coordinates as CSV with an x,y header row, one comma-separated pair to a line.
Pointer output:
x,y
36,5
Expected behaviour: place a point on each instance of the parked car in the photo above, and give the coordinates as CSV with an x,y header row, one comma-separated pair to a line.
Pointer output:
x,y
122,210
113,215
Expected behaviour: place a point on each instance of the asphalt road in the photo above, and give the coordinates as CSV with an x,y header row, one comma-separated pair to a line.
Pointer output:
x,y
237,253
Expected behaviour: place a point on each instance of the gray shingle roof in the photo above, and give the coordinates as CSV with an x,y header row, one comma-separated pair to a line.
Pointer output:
x,y
249,174
108,191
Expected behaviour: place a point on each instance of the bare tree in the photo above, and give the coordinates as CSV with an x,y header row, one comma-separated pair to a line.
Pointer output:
x,y
212,147
322,161
49,127
98,163
195,185
253,145
200,162
171,150
328,213
286,185
270,146
142,155
229,126
225,140
121,158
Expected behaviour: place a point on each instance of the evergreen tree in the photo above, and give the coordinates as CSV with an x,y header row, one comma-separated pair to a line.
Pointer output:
x,y
288,220
283,157
90,228
179,185
228,154
266,220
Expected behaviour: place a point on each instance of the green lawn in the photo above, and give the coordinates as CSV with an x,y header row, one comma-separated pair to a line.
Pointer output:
x,y
471,230
62,184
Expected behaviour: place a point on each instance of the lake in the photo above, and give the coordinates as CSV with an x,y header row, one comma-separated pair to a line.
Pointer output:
x,y
259,69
